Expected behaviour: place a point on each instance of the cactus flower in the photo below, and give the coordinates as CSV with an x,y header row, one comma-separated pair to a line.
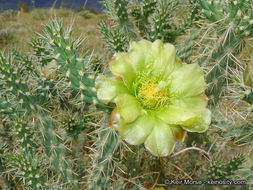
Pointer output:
x,y
157,96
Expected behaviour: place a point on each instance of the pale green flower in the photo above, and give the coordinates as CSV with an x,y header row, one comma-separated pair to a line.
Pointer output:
x,y
157,96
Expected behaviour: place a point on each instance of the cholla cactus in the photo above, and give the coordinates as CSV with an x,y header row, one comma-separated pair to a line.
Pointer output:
x,y
238,14
230,24
132,20
156,95
220,169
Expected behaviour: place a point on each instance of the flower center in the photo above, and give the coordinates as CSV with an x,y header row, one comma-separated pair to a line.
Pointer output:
x,y
153,94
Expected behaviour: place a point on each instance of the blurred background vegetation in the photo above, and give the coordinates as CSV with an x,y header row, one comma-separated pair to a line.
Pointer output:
x,y
17,27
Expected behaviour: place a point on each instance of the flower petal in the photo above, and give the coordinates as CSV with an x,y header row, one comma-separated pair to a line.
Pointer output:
x,y
161,141
184,111
139,53
202,124
135,133
156,57
178,115
163,56
114,120
108,88
178,133
120,66
128,107
188,80
196,103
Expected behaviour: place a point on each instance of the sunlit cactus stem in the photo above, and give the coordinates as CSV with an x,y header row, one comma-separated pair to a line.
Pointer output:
x,y
56,152
102,168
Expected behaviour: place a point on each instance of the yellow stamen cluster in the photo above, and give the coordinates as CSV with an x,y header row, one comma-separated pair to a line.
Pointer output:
x,y
151,93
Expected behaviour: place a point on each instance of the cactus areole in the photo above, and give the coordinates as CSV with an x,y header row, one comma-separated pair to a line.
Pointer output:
x,y
158,98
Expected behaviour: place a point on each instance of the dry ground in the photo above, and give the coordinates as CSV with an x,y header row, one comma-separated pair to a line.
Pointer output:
x,y
18,29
